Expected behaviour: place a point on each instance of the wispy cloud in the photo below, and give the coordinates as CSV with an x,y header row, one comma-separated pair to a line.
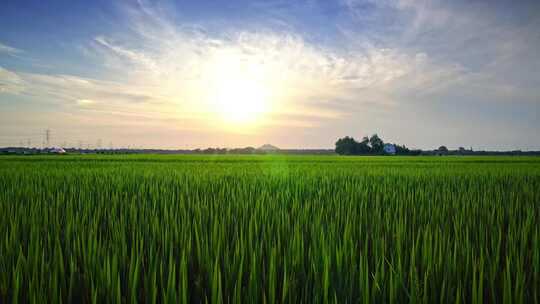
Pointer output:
x,y
179,60
469,49
6,49
166,67
10,82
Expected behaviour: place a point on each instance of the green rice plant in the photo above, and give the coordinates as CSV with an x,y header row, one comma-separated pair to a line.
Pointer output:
x,y
255,229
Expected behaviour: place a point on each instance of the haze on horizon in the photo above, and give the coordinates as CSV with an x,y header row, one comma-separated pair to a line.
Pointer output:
x,y
296,74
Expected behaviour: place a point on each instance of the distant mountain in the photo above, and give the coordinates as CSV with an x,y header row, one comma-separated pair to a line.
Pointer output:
x,y
268,147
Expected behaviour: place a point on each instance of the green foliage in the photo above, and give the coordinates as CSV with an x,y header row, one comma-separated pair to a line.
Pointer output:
x,y
256,229
376,143
349,146
443,149
369,145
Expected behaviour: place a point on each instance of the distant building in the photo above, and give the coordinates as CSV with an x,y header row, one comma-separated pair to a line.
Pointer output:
x,y
57,151
389,149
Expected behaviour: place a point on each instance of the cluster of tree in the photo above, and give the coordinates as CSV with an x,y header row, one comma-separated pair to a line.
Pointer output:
x,y
402,150
373,145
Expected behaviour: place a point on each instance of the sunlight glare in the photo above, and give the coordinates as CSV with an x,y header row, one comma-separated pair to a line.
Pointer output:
x,y
241,100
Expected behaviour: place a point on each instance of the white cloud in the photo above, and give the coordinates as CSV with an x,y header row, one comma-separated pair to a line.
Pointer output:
x,y
9,50
177,62
470,50
168,70
85,102
10,82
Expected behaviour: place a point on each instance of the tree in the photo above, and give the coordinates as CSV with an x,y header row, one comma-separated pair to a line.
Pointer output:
x,y
346,146
349,146
376,143
402,150
369,145
363,146
443,149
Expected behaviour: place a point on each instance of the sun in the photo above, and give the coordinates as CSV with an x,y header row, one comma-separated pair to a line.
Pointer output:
x,y
241,100
241,89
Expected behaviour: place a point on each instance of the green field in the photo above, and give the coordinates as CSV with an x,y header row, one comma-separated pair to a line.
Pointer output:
x,y
269,229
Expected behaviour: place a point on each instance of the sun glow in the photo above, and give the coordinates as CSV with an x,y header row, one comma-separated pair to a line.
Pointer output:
x,y
241,100
241,92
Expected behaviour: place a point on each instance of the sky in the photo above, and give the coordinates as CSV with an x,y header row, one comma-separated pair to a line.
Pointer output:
x,y
295,74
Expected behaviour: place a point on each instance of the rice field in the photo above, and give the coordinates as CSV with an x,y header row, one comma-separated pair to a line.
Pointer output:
x,y
269,229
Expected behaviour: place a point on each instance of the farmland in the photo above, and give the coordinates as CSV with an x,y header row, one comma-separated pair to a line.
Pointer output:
x,y
256,229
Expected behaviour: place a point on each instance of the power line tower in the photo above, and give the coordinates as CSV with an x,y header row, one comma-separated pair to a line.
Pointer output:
x,y
48,137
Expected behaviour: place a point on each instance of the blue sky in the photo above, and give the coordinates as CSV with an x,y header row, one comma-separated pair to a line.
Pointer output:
x,y
178,74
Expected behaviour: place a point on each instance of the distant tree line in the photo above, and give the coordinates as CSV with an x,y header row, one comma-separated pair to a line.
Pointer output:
x,y
373,145
206,151
344,146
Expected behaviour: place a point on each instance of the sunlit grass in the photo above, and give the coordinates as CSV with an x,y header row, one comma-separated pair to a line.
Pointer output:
x,y
269,229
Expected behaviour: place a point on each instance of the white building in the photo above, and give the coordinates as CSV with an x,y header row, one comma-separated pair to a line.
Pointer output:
x,y
57,151
389,149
